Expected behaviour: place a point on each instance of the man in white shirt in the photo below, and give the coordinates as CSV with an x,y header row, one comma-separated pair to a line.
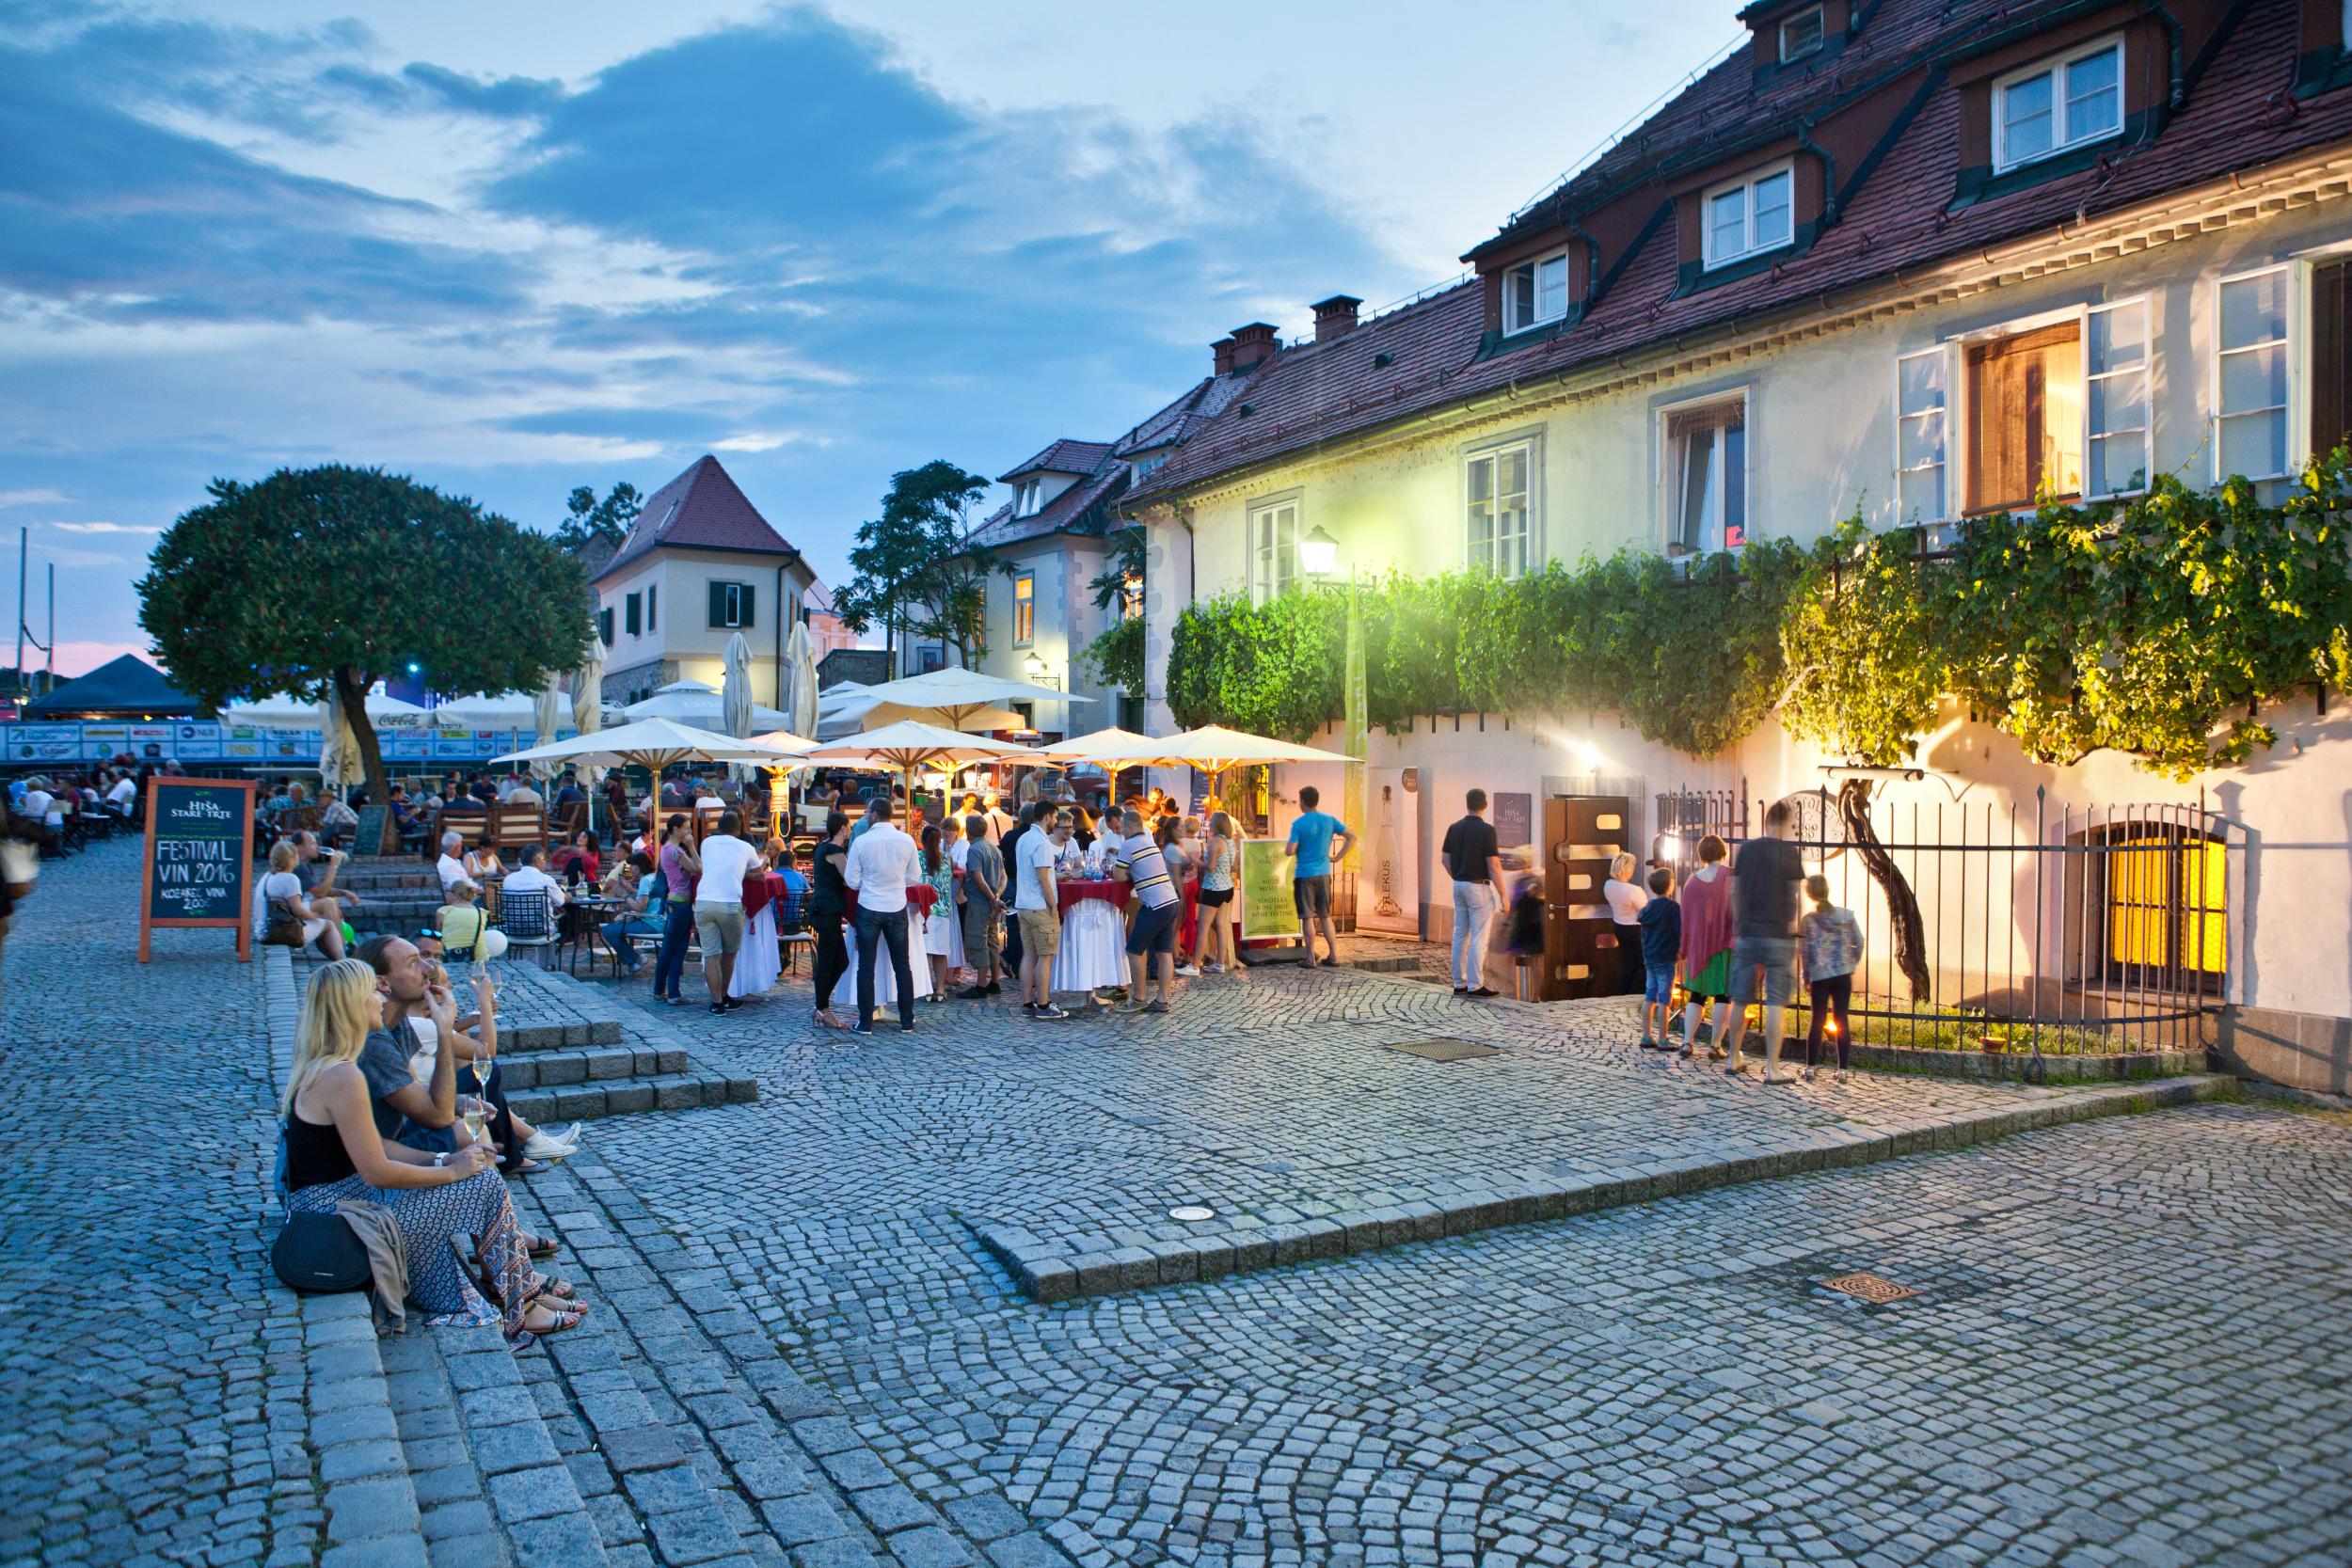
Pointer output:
x,y
719,906
453,869
119,799
1037,904
882,863
531,876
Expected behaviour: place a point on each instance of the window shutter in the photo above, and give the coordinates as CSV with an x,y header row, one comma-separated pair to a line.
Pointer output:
x,y
2009,385
2331,356
743,603
718,604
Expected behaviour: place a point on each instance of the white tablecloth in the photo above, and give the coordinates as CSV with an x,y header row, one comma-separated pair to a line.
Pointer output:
x,y
885,983
1094,946
756,965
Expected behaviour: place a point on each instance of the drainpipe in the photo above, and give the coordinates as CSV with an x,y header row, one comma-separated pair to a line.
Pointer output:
x,y
2173,48
1829,167
1592,260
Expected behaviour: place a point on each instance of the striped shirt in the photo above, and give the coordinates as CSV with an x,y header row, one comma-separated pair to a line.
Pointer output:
x,y
1147,869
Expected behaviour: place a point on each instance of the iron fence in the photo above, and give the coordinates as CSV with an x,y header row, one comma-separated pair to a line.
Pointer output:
x,y
2036,927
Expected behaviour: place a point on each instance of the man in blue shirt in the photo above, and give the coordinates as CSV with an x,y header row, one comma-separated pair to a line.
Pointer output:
x,y
1318,839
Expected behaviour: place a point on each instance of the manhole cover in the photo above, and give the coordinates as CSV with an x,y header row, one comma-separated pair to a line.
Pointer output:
x,y
1869,1288
1192,1212
1444,1049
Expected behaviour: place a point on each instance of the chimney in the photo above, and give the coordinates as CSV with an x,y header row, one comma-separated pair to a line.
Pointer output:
x,y
1335,318
1253,345
1222,350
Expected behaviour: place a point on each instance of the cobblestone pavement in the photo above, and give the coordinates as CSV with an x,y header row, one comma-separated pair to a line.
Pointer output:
x,y
154,1397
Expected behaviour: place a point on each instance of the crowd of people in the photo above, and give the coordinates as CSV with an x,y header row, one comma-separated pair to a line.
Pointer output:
x,y
63,811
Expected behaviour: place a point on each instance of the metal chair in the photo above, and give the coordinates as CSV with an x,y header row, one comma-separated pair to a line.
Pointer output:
x,y
528,921
792,927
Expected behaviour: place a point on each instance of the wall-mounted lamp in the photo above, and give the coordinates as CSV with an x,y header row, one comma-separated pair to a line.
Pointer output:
x,y
1318,553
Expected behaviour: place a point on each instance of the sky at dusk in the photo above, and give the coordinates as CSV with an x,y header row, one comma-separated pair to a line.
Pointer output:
x,y
511,250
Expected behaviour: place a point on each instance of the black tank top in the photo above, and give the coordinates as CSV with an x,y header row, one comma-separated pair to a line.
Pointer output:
x,y
314,1154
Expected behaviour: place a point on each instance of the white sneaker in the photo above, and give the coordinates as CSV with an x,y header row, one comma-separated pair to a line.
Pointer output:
x,y
1210,968
1188,972
547,1146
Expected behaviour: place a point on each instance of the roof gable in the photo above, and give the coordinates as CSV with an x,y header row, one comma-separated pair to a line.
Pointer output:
x,y
128,684
701,508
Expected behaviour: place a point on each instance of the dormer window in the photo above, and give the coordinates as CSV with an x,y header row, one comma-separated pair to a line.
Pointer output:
x,y
1028,496
2056,105
1801,35
1749,216
1535,291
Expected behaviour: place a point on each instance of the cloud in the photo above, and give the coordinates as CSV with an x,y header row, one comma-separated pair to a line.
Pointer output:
x,y
765,440
504,98
28,497
105,528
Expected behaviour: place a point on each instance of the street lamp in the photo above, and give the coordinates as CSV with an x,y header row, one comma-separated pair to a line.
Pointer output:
x,y
1034,667
1318,553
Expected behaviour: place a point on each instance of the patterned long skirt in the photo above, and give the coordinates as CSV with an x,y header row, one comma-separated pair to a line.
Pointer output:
x,y
431,1221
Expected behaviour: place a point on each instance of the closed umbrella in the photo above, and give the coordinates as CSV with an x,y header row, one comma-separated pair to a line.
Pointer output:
x,y
544,714
588,711
339,764
798,696
735,697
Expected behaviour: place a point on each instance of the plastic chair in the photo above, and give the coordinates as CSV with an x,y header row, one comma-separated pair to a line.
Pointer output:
x,y
528,921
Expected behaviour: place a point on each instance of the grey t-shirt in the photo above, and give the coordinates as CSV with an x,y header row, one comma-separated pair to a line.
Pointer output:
x,y
1764,881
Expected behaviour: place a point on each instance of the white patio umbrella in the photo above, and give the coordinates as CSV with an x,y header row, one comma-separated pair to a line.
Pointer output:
x,y
1098,746
798,692
339,764
839,717
544,711
960,694
908,745
1213,748
702,707
654,744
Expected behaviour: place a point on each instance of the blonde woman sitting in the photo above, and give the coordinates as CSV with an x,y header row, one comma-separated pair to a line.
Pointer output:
x,y
463,924
288,918
334,1153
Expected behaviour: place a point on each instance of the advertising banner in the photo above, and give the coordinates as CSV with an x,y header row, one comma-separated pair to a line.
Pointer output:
x,y
1268,911
44,742
1388,889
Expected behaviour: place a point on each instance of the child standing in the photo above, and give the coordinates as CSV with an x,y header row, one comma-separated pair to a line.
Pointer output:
x,y
1661,925
1523,935
1831,940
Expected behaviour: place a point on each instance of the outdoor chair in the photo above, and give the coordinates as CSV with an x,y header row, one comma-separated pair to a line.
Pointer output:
x,y
792,927
528,921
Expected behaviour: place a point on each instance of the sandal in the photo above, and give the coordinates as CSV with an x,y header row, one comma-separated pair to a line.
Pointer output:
x,y
540,1285
555,1322
539,1246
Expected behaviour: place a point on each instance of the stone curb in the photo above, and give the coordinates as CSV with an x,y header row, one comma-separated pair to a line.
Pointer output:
x,y
1046,1273
372,1511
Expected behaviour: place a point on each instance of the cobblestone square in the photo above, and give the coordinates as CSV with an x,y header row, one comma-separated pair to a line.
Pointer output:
x,y
808,1345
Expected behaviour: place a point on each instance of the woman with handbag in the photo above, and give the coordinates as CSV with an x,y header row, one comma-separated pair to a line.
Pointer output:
x,y
334,1155
287,918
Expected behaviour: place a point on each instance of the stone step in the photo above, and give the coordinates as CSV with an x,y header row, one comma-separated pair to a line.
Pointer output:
x,y
373,1508
598,1063
669,1091
494,1488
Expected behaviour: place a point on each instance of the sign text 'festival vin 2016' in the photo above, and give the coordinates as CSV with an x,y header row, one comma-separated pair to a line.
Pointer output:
x,y
199,865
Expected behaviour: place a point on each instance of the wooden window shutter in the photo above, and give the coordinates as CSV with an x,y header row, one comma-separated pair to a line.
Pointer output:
x,y
743,603
2331,356
2008,401
718,604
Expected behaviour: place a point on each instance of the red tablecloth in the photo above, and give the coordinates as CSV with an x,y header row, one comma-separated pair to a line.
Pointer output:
x,y
760,890
1071,889
922,895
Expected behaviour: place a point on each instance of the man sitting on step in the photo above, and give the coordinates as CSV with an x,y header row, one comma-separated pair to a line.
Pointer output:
x,y
424,1090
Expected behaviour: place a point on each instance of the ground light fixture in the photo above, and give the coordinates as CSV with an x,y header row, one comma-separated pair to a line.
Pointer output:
x,y
1192,1212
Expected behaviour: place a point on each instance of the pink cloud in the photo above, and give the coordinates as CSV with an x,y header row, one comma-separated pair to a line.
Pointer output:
x,y
80,658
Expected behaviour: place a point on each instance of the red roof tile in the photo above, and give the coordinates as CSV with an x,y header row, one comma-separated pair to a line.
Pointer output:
x,y
701,508
2240,115
1064,456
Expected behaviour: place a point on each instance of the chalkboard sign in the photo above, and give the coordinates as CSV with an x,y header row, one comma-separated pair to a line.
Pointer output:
x,y
367,838
200,858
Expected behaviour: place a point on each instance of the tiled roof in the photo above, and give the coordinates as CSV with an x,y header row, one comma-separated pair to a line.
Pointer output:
x,y
1204,400
1064,456
1068,513
701,508
2240,115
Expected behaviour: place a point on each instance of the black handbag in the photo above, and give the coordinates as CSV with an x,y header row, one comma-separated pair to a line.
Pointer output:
x,y
319,1255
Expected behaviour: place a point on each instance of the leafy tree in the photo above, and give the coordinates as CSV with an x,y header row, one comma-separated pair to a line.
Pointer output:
x,y
916,565
1117,653
589,519
317,579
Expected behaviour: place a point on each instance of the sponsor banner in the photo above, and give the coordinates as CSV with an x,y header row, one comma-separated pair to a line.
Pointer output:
x,y
1388,887
1268,910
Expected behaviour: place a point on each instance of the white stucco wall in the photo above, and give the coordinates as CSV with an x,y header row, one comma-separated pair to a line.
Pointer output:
x,y
1821,438
682,631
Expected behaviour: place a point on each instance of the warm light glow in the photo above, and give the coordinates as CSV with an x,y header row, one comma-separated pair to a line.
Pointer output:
x,y
1318,553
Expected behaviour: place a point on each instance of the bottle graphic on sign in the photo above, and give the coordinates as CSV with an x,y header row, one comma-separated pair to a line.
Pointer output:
x,y
1384,857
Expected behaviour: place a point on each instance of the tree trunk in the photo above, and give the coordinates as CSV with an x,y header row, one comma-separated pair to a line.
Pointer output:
x,y
354,692
1903,907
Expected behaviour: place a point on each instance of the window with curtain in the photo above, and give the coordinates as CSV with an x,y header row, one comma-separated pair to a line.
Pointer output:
x,y
2251,397
1025,610
1920,412
1274,546
2025,418
1707,478
1497,501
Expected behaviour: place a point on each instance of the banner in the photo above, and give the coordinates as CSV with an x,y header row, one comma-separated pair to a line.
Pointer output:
x,y
1268,910
44,742
1388,888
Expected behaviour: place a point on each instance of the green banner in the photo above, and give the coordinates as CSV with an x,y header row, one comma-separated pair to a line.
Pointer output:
x,y
1268,908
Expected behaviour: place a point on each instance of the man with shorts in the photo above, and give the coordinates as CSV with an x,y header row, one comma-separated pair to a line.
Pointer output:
x,y
1317,840
719,907
1036,909
1152,940
1764,885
